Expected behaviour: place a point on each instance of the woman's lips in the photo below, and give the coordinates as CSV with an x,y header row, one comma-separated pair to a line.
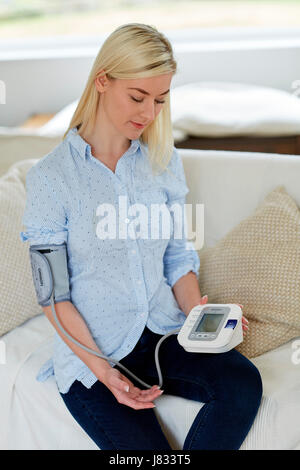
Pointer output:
x,y
138,126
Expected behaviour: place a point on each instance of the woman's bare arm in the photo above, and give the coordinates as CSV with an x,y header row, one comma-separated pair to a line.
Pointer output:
x,y
75,325
121,387
187,292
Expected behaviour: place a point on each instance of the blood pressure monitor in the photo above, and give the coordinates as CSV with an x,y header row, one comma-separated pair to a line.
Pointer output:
x,y
212,328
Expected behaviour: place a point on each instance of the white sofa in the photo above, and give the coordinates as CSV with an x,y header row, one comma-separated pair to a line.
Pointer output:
x,y
230,184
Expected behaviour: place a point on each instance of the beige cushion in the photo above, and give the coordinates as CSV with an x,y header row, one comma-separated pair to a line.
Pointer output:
x,y
257,264
19,144
18,298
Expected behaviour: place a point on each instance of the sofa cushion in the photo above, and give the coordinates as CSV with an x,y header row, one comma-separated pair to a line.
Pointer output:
x,y
257,264
18,298
18,144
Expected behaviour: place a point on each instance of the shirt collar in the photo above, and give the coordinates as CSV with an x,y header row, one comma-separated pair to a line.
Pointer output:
x,y
84,148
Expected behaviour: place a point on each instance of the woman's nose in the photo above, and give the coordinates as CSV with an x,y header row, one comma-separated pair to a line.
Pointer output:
x,y
148,112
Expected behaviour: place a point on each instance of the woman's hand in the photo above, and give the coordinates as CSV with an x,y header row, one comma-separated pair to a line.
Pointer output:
x,y
126,393
245,322
203,300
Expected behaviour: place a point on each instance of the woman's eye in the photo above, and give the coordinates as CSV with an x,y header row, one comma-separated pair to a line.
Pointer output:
x,y
140,101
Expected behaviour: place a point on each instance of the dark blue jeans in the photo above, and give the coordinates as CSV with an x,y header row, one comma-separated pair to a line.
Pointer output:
x,y
228,383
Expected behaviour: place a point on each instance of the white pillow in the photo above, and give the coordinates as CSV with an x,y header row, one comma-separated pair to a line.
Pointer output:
x,y
216,109
18,298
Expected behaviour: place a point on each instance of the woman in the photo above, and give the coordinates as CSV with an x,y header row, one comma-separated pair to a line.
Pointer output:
x,y
128,292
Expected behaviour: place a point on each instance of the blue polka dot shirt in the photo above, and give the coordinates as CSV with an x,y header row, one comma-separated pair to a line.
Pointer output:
x,y
119,284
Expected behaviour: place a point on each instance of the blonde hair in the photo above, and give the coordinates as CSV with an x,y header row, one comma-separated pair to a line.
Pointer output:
x,y
132,51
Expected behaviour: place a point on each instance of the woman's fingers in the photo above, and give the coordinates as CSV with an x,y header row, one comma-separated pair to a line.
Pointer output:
x,y
150,395
127,394
136,404
149,390
140,399
245,324
204,300
143,395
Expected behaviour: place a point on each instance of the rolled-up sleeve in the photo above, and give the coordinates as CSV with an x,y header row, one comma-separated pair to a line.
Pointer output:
x,y
180,256
44,216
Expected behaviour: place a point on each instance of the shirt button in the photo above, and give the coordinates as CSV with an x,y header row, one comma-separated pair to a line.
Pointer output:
x,y
133,252
126,220
139,281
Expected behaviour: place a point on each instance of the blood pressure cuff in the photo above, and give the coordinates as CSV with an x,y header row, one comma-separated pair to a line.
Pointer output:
x,y
50,273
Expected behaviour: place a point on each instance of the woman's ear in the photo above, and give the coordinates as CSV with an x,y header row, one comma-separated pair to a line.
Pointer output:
x,y
101,81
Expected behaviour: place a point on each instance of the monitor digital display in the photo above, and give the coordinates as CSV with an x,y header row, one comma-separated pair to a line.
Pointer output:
x,y
209,323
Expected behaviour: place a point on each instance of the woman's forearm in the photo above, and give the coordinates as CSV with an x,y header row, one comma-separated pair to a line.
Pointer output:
x,y
75,325
187,292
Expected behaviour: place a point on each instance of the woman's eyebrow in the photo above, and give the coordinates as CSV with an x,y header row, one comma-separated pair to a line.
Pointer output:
x,y
146,92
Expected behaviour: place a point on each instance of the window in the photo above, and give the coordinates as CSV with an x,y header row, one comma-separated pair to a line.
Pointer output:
x,y
37,18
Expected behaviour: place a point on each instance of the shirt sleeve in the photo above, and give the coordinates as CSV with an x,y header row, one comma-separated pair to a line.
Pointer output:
x,y
180,256
44,216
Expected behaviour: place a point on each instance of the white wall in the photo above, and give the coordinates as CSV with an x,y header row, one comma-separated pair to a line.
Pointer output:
x,y
42,75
